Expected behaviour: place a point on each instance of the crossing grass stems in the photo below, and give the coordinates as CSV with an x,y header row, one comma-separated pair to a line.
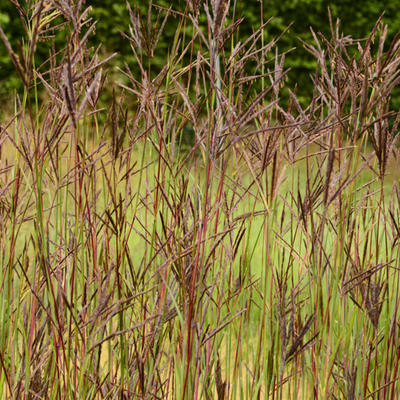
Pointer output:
x,y
258,260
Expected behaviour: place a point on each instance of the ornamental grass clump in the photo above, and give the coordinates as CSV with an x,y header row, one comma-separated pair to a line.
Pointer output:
x,y
256,259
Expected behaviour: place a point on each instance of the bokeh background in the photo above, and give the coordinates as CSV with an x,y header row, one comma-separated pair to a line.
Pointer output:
x,y
357,20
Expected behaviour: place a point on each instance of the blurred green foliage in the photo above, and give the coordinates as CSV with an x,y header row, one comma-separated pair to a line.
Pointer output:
x,y
357,20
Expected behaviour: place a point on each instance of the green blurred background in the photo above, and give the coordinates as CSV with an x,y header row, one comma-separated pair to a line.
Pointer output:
x,y
357,20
